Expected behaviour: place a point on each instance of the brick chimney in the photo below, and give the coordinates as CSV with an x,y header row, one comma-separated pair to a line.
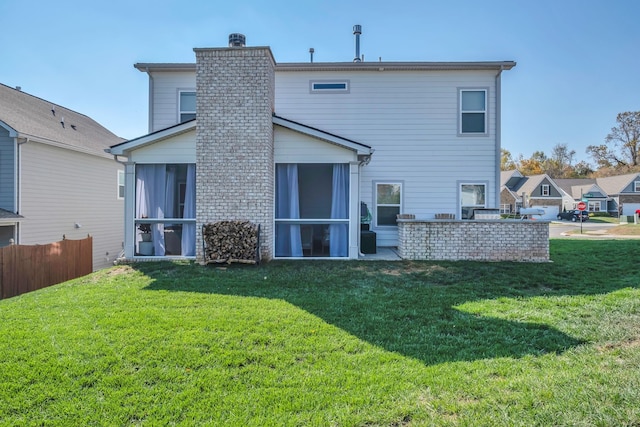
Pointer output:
x,y
234,139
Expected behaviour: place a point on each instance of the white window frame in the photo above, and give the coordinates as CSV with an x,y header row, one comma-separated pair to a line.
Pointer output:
x,y
462,205
316,86
636,186
376,205
505,208
461,91
180,110
545,189
120,181
594,206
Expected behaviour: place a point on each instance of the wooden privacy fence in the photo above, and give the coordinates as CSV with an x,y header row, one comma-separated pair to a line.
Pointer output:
x,y
26,268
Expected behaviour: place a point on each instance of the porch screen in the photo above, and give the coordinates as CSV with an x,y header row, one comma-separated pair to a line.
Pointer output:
x,y
165,207
312,210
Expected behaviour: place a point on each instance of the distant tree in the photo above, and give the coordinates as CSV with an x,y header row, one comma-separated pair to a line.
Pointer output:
x,y
534,165
559,165
506,160
621,149
582,169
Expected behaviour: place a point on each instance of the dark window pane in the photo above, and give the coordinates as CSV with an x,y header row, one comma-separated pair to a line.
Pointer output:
x,y
387,215
187,116
329,86
472,122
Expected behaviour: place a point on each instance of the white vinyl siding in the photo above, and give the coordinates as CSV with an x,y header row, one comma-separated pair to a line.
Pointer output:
x,y
177,149
410,118
165,96
60,188
294,147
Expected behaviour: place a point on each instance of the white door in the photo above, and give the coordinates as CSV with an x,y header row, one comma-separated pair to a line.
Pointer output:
x,y
550,212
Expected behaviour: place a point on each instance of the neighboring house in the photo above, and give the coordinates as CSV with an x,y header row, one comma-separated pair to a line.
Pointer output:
x,y
56,179
617,195
296,148
536,191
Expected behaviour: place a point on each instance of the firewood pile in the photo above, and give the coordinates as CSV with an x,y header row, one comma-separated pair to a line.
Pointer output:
x,y
231,241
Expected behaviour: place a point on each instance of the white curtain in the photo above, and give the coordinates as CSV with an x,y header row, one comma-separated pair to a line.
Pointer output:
x,y
150,200
288,238
339,233
189,230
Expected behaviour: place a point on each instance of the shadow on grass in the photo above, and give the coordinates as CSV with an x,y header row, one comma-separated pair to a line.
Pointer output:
x,y
410,307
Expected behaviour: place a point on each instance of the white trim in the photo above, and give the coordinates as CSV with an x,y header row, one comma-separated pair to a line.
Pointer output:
x,y
132,144
460,204
545,190
636,186
315,86
376,205
180,112
462,90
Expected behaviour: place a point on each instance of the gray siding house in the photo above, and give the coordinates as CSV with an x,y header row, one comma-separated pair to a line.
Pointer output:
x,y
307,149
56,179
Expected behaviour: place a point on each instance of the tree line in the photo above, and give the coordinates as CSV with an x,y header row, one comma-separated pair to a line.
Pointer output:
x,y
619,154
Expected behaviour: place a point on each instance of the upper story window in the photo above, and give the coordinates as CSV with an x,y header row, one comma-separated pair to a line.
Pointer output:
x,y
473,111
636,186
187,106
329,86
388,203
544,190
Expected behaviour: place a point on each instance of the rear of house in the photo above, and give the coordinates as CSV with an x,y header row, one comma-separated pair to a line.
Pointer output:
x,y
308,149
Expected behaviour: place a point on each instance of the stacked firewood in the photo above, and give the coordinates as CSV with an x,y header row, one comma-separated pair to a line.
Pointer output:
x,y
231,241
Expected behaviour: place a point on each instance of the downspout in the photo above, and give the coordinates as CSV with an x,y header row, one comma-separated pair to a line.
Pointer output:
x,y
129,200
498,134
18,184
151,89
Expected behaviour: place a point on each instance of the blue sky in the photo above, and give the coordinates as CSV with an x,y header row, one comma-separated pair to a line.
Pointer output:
x,y
578,62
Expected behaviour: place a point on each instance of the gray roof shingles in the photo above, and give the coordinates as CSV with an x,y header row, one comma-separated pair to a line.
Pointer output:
x,y
31,116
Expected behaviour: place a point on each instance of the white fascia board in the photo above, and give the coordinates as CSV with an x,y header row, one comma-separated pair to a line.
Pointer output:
x,y
133,144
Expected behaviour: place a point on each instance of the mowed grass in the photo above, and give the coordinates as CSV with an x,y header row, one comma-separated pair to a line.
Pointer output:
x,y
332,343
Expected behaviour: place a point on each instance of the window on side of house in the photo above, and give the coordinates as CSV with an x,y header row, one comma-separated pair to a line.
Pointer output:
x,y
594,206
120,185
473,111
388,203
472,196
636,186
505,208
187,106
544,190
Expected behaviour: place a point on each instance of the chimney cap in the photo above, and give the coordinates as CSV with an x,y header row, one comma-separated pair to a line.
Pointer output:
x,y
237,40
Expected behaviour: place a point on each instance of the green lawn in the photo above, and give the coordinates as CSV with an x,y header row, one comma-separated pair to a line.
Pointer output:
x,y
332,343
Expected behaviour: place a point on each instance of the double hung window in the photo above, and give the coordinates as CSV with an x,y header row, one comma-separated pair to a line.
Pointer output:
x,y
187,105
388,203
472,196
473,111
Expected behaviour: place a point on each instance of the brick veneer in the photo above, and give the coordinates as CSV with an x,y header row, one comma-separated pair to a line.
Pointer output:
x,y
487,240
234,139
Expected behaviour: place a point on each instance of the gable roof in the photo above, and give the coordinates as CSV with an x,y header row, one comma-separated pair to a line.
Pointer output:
x,y
27,116
615,184
122,148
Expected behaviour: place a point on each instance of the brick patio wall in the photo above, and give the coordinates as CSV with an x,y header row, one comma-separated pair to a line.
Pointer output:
x,y
486,240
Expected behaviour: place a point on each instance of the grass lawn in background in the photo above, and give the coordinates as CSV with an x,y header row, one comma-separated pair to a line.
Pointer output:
x,y
340,343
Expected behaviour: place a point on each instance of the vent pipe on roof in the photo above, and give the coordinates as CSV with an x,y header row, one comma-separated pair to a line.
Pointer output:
x,y
19,88
311,50
357,30
237,40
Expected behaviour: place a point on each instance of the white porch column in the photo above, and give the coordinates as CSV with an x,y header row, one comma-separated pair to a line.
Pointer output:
x,y
129,209
354,210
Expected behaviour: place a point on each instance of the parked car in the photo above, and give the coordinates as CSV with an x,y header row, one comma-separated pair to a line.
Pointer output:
x,y
574,215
